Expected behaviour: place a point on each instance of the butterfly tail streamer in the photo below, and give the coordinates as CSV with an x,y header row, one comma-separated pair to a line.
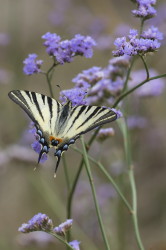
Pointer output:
x,y
57,164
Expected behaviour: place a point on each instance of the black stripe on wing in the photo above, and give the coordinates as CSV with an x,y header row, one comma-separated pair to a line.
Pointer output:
x,y
19,99
78,115
37,104
97,120
91,116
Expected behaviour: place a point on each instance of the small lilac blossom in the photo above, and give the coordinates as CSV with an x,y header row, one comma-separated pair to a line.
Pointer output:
x,y
31,65
152,33
75,244
39,222
136,45
144,9
82,45
75,95
36,146
63,227
64,51
136,122
105,133
149,89
51,42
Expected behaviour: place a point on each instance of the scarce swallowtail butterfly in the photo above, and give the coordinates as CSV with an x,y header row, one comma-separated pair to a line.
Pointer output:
x,y
59,125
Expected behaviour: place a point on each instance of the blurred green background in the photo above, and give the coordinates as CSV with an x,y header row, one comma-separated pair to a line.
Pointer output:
x,y
24,192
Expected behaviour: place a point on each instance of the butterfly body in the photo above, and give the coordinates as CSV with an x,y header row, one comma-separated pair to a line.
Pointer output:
x,y
59,125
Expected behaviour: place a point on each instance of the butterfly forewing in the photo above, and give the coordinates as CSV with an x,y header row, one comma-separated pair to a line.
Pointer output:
x,y
42,109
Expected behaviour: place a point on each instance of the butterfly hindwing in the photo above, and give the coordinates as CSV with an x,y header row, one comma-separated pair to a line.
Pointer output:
x,y
84,118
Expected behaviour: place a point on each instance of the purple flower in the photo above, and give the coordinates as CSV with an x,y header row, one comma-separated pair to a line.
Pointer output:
x,y
51,43
64,51
82,45
75,95
137,45
39,222
151,88
75,244
145,9
31,65
105,133
152,33
63,227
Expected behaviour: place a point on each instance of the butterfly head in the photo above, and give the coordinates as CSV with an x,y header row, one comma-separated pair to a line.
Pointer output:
x,y
55,141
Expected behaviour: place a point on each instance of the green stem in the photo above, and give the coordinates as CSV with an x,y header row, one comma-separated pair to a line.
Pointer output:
x,y
121,97
146,67
141,27
72,190
128,74
132,184
48,77
109,177
62,240
88,169
66,172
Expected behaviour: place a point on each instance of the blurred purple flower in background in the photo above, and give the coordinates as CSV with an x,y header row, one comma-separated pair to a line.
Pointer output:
x,y
151,88
38,238
39,222
4,39
136,122
31,65
105,133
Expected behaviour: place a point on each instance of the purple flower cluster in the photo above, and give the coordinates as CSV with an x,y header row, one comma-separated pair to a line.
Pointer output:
x,y
63,227
148,42
31,65
39,222
75,95
96,85
144,9
65,50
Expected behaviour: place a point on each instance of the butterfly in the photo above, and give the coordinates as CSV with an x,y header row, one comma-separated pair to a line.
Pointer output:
x,y
59,125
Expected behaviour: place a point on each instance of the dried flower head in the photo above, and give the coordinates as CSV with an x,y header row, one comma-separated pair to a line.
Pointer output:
x,y
63,227
39,222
